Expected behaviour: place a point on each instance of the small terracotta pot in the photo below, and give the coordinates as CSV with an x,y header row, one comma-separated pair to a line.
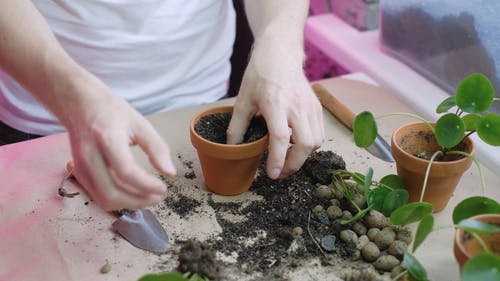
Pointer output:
x,y
444,176
466,246
227,169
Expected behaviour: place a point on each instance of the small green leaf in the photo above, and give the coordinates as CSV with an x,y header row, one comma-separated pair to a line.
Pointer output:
x,y
478,227
411,212
471,121
359,178
368,180
488,129
395,199
474,93
424,228
483,267
414,267
392,181
376,198
475,206
167,276
365,129
449,130
446,104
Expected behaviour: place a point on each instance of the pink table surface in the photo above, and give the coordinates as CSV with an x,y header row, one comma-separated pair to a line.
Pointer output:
x,y
46,237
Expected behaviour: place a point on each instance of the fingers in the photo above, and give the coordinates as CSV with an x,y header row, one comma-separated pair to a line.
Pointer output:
x,y
240,119
92,175
279,140
307,136
156,149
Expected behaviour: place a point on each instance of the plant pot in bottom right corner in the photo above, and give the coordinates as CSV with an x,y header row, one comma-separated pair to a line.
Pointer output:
x,y
465,246
414,138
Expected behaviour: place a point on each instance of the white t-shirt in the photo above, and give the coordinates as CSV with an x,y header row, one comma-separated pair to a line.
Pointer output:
x,y
157,54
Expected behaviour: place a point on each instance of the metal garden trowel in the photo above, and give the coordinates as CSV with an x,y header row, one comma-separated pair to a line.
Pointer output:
x,y
140,227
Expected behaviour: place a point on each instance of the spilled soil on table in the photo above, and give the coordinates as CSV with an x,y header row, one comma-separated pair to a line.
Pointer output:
x,y
277,234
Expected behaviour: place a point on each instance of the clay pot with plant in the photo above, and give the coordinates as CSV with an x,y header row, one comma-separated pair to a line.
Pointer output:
x,y
227,169
477,223
437,154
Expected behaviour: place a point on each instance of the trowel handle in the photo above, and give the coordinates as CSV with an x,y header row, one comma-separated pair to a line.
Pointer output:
x,y
334,106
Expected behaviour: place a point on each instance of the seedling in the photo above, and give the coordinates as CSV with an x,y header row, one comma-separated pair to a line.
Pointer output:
x,y
384,196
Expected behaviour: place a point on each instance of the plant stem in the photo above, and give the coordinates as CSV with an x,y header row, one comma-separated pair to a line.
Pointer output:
x,y
408,115
399,275
481,241
496,99
477,166
310,234
469,133
427,172
443,227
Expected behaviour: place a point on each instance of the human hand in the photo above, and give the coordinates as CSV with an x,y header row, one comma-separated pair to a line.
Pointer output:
x,y
275,87
102,129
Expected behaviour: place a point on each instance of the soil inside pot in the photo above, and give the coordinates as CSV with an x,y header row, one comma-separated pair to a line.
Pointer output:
x,y
213,128
426,145
472,246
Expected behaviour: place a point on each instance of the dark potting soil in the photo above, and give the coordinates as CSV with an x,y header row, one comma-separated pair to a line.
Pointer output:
x,y
279,232
286,205
213,128
197,257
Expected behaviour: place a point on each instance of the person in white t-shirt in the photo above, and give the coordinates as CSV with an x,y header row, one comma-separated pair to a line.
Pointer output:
x,y
94,68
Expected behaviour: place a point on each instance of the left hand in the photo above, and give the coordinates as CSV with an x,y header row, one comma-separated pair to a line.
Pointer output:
x,y
275,87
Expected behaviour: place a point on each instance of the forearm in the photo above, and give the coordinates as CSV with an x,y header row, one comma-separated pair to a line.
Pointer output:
x,y
31,54
278,28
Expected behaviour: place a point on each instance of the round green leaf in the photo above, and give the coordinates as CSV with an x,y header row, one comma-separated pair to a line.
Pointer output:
x,y
392,181
376,198
167,276
424,228
411,212
471,121
395,199
416,270
478,227
365,129
474,93
449,130
475,206
484,267
488,129
446,105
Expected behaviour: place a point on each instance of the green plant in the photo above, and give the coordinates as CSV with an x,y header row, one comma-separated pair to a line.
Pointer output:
x,y
384,196
473,98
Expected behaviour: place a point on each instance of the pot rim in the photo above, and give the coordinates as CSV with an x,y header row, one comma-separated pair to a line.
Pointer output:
x,y
424,161
245,148
459,233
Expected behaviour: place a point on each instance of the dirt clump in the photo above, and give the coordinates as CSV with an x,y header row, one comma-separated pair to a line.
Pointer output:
x,y
196,257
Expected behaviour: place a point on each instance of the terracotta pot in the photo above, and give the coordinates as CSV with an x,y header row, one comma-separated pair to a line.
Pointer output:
x,y
227,169
444,176
465,246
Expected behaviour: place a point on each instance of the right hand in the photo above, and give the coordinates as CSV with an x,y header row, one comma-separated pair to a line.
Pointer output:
x,y
102,128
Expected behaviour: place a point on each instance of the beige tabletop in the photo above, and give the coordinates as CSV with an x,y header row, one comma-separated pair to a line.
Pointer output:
x,y
46,237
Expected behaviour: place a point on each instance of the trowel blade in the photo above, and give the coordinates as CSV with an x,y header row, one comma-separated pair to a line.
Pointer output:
x,y
143,230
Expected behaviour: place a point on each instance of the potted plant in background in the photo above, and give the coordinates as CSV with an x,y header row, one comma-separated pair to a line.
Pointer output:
x,y
443,150
227,169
